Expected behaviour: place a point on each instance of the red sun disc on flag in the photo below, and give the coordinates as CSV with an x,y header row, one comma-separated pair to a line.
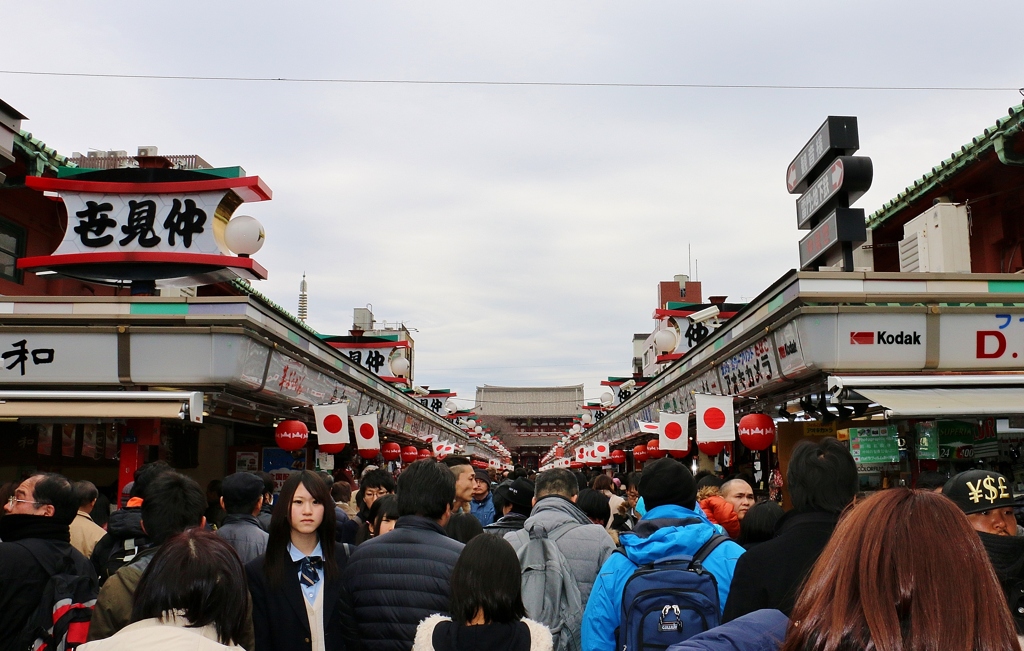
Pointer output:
x,y
675,430
601,448
714,418
333,423
366,431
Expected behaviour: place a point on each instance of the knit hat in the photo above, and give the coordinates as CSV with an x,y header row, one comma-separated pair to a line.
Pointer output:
x,y
666,481
481,474
979,490
519,492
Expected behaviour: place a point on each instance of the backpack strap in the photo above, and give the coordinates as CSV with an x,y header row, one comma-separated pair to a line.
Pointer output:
x,y
705,550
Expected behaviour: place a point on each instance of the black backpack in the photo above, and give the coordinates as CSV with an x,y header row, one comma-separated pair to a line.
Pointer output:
x,y
61,622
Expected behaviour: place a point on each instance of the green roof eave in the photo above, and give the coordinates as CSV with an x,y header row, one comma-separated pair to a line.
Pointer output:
x,y
968,154
42,159
248,290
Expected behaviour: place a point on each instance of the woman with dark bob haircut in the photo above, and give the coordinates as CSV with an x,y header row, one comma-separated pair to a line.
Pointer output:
x,y
487,605
904,571
192,596
296,585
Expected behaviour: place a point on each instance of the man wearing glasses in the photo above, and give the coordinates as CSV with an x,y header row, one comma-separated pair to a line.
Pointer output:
x,y
36,536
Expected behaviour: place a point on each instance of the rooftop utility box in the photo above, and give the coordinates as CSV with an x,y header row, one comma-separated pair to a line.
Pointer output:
x,y
937,240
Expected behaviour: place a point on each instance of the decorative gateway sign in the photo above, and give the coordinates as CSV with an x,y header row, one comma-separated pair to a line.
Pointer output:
x,y
171,231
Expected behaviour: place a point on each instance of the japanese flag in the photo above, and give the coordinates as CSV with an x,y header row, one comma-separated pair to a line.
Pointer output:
x,y
442,448
714,418
493,463
366,432
675,431
602,450
648,428
581,453
331,423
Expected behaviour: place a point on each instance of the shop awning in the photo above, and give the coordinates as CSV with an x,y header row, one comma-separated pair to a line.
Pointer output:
x,y
187,405
945,403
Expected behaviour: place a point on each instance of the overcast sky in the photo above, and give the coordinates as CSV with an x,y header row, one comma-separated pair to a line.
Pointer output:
x,y
520,230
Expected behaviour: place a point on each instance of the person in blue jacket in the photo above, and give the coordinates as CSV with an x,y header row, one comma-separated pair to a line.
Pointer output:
x,y
673,525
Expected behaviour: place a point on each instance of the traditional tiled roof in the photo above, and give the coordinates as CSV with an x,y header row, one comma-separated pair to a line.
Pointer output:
x,y
41,158
560,402
991,138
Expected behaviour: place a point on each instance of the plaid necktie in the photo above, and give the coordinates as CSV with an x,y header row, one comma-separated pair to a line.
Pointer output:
x,y
308,574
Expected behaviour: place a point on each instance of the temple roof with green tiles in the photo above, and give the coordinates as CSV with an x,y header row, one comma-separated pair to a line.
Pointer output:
x,y
994,138
41,158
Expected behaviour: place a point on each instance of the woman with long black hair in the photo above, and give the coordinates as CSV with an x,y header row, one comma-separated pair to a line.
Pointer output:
x,y
486,605
296,586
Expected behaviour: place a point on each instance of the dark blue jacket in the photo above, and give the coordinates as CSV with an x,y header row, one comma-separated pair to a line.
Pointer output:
x,y
394,581
761,630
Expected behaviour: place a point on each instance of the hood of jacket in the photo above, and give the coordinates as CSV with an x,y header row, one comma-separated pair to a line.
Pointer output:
x,y
664,531
552,511
126,523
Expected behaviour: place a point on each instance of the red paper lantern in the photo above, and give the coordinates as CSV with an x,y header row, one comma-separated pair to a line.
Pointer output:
x,y
410,454
617,456
426,453
711,448
679,454
559,452
332,448
369,453
654,449
640,453
391,451
757,431
291,435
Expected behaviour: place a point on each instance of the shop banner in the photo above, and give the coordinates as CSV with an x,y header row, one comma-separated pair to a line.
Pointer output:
x,y
44,445
89,441
956,439
750,369
67,440
874,444
110,442
927,440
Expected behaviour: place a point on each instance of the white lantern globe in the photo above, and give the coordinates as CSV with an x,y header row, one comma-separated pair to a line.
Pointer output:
x,y
400,366
607,398
587,418
244,235
665,341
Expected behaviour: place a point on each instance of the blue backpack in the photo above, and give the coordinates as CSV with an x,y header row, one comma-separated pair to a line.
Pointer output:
x,y
669,600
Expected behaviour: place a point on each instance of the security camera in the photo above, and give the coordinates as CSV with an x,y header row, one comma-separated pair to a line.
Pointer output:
x,y
705,315
420,391
628,385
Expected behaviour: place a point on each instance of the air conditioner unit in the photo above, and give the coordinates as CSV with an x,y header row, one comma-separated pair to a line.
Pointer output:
x,y
147,151
937,240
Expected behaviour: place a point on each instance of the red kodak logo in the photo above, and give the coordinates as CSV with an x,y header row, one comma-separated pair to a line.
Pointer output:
x,y
862,338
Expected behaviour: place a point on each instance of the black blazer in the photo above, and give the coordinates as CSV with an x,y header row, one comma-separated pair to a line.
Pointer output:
x,y
279,614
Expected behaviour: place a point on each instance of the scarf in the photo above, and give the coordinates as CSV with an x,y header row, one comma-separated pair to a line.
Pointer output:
x,y
1006,554
19,526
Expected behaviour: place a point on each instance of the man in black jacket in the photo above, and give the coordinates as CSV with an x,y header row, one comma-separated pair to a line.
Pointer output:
x,y
393,582
517,502
822,479
36,535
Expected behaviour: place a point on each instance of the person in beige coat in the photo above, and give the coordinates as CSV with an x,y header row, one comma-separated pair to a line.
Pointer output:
x,y
172,609
84,532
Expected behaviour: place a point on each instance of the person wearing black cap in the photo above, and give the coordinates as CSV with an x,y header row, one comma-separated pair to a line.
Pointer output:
x,y
482,506
986,498
672,526
518,501
242,499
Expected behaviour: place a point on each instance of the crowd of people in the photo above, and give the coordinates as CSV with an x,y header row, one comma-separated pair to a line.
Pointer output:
x,y
449,557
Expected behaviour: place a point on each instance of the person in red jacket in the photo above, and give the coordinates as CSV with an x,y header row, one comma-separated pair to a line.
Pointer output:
x,y
719,511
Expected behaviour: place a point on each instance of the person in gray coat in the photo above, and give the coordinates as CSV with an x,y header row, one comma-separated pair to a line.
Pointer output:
x,y
585,545
242,500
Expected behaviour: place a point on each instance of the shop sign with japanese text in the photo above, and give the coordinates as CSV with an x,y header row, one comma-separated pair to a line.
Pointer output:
x,y
874,444
129,223
42,357
749,369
